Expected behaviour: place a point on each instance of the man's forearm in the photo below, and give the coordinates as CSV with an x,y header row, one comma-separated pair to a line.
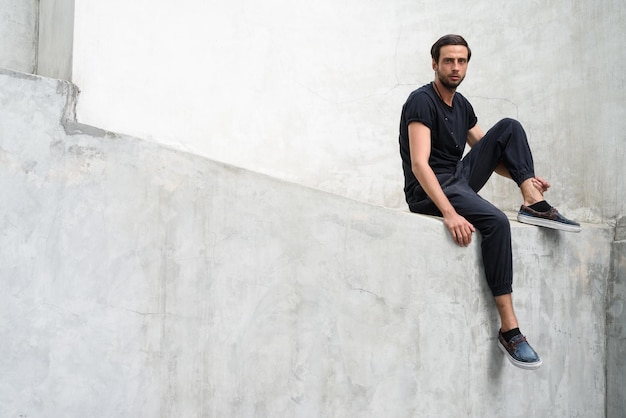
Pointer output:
x,y
429,182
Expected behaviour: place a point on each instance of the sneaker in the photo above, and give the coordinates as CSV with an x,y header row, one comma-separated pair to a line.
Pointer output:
x,y
549,219
519,352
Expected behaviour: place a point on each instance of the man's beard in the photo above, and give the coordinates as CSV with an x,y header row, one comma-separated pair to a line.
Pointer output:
x,y
448,84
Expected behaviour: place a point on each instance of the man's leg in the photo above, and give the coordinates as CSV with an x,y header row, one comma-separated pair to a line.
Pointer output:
x,y
530,193
498,265
495,231
506,142
508,320
512,342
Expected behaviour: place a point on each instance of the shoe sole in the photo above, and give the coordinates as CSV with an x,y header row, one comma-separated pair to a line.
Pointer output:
x,y
547,223
517,363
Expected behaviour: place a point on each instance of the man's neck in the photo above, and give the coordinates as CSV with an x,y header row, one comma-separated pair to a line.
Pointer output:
x,y
444,93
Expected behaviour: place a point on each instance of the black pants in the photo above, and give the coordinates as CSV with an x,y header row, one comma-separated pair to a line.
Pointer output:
x,y
506,142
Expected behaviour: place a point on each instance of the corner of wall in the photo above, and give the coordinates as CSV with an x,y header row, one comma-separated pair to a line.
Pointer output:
x,y
71,92
55,39
616,325
620,229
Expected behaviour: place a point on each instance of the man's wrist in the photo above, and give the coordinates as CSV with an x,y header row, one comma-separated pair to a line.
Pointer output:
x,y
448,212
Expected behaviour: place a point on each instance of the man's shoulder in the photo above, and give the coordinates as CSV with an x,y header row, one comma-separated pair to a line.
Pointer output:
x,y
425,89
425,92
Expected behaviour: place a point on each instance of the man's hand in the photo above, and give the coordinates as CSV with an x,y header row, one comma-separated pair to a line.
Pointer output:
x,y
460,229
540,184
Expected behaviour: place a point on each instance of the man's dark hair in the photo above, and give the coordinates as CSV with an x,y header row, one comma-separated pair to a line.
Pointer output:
x,y
445,40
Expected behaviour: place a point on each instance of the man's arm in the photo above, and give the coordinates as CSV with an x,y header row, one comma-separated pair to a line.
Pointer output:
x,y
474,135
419,145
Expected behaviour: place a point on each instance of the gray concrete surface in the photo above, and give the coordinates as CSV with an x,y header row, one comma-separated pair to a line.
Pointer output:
x,y
18,34
616,327
311,82
312,92
141,281
56,38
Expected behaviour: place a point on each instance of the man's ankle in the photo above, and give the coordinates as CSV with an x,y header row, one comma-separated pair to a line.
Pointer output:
x,y
541,206
508,335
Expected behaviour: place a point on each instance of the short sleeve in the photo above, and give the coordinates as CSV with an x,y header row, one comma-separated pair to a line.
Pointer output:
x,y
472,120
420,108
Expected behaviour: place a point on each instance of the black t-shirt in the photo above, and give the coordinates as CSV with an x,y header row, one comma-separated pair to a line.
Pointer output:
x,y
448,134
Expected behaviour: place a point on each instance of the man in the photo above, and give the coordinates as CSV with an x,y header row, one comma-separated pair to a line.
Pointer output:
x,y
436,124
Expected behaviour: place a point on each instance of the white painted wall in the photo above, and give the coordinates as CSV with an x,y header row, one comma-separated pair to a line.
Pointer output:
x,y
312,91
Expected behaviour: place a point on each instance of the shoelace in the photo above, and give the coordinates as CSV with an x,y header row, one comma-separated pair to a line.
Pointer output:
x,y
515,341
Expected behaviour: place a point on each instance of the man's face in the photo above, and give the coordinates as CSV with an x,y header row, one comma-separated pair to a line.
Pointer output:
x,y
452,65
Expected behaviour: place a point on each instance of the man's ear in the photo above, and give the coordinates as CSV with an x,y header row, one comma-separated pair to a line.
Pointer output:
x,y
434,65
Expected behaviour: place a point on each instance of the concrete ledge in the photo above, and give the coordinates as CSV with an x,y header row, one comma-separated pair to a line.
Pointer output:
x,y
142,281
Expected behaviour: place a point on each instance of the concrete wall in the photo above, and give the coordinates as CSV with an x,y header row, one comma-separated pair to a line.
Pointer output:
x,y
140,281
56,38
18,34
311,91
616,327
36,36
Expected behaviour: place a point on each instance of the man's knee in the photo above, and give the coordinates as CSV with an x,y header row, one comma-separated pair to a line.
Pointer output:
x,y
498,223
502,220
509,123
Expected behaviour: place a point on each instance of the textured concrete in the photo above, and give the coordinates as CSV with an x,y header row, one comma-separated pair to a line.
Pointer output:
x,y
312,92
18,34
141,281
56,38
616,327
